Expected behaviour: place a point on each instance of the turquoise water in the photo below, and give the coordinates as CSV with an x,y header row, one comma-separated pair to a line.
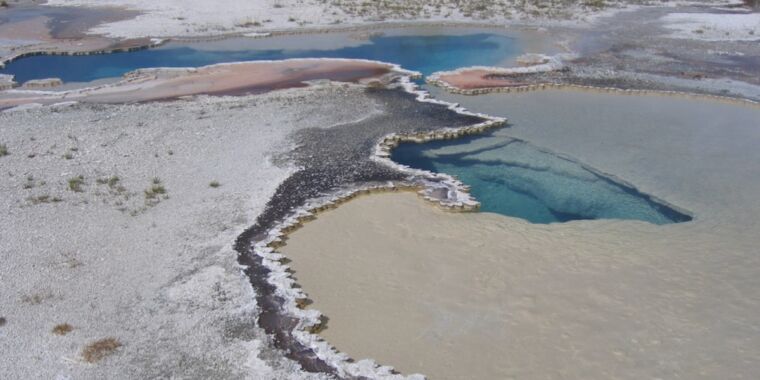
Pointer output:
x,y
424,53
514,178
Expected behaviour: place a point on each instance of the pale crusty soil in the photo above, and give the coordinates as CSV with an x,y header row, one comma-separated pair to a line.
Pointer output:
x,y
159,275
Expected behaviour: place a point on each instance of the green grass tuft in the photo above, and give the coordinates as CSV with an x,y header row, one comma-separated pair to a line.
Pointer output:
x,y
155,190
75,184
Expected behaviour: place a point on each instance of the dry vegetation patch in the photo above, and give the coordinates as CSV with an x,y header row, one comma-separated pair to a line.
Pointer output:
x,y
39,199
99,349
36,298
62,329
155,192
476,9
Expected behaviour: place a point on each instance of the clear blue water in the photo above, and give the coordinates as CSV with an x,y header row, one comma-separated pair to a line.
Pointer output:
x,y
424,53
512,177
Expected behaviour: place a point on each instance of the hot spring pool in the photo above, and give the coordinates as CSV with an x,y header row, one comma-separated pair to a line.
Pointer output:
x,y
512,177
421,49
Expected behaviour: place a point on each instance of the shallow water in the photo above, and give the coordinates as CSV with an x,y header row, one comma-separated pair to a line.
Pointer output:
x,y
514,178
421,51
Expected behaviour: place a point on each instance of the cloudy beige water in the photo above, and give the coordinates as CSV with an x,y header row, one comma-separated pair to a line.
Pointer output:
x,y
486,296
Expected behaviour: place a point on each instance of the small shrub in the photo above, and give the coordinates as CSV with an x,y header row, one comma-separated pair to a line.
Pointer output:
x,y
3,321
36,299
246,24
214,184
70,261
155,190
111,181
44,199
596,3
158,189
29,183
68,155
41,199
75,184
114,185
62,329
99,349
3,150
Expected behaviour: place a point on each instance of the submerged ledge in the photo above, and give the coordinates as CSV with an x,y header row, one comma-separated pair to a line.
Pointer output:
x,y
220,79
486,80
515,178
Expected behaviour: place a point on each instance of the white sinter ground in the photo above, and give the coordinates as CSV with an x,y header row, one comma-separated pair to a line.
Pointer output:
x,y
167,18
199,17
160,276
714,27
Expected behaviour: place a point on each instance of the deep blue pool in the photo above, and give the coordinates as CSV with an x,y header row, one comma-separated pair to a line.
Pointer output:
x,y
424,53
514,178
